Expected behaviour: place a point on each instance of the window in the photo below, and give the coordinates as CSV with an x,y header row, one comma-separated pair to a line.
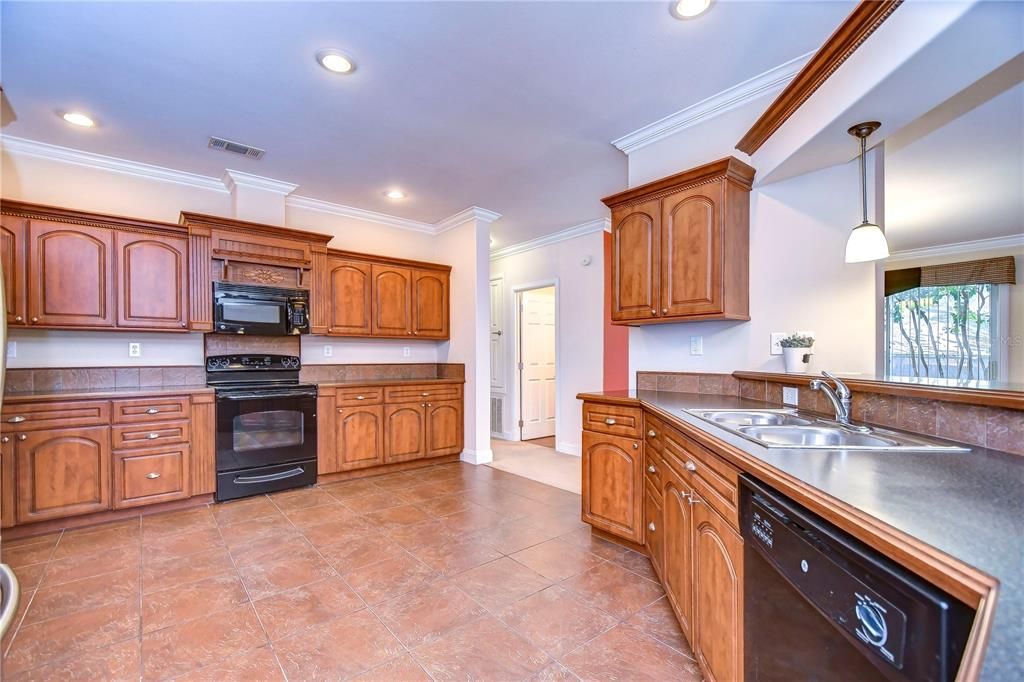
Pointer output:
x,y
944,331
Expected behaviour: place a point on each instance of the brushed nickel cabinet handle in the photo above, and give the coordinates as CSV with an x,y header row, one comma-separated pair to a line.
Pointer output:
x,y
360,397
651,469
654,311
650,527
16,420
652,434
425,394
690,466
694,499
184,324
609,421
152,475
5,439
152,436
664,311
17,318
152,410
35,319
22,436
636,446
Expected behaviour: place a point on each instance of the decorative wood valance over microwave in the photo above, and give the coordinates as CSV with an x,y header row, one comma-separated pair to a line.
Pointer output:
x,y
1001,270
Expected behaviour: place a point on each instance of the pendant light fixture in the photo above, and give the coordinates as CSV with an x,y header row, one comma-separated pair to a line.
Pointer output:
x,y
867,241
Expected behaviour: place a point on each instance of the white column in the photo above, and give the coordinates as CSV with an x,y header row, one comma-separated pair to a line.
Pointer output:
x,y
257,199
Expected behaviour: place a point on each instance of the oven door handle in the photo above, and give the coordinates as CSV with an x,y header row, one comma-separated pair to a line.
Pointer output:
x,y
276,394
281,475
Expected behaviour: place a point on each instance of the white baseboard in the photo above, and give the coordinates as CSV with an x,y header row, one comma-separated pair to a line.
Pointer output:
x,y
477,456
504,435
568,448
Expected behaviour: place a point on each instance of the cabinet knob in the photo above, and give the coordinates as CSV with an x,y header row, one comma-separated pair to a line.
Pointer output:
x,y
415,333
152,436
16,420
184,324
690,466
609,421
35,319
652,433
651,469
425,394
152,475
654,311
430,404
664,311
409,332
18,318
22,436
152,410
5,439
636,446
651,527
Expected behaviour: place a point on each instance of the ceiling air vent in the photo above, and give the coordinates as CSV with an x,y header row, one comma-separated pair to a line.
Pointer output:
x,y
236,148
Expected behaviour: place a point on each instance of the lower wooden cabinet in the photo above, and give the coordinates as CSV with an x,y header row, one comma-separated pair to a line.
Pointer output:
x,y
654,534
613,485
677,550
62,472
359,437
444,428
152,475
405,432
7,483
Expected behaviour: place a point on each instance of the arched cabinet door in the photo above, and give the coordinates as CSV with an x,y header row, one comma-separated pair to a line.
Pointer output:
x,y
62,472
635,261
153,281
360,436
12,261
677,549
718,595
392,307
72,275
351,292
691,252
430,304
444,428
613,485
405,432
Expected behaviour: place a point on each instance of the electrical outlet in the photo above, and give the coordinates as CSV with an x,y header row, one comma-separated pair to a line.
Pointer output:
x,y
790,395
12,349
776,337
134,349
406,351
328,351
696,345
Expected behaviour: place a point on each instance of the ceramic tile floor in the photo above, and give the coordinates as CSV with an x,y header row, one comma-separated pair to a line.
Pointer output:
x,y
453,572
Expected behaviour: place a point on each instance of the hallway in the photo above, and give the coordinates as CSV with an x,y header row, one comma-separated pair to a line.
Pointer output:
x,y
537,463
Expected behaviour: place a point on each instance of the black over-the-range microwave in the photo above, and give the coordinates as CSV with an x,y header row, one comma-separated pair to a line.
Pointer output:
x,y
264,311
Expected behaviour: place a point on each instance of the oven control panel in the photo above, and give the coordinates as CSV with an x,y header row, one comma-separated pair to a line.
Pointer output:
x,y
251,363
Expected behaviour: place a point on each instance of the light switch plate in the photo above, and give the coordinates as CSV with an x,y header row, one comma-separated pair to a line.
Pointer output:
x,y
696,345
134,349
776,349
790,395
406,351
328,351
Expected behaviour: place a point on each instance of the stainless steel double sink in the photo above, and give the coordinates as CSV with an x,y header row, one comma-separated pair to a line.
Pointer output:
x,y
790,428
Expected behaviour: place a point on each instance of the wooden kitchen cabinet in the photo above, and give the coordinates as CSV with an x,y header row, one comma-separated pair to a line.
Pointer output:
x,y
151,475
717,632
359,437
677,549
392,305
71,275
405,432
654,532
350,284
430,292
8,512
680,246
152,288
62,472
13,232
613,485
444,428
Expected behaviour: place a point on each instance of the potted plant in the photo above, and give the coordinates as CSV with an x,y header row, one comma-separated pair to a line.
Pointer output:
x,y
796,351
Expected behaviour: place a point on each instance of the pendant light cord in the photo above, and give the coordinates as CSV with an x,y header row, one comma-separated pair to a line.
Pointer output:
x,y
864,177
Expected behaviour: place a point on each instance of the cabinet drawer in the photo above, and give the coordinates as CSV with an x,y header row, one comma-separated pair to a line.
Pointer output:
x,y
712,478
653,467
616,420
422,392
138,410
654,432
150,435
652,526
149,476
55,415
360,395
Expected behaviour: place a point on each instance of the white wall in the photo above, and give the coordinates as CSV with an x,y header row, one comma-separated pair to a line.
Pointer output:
x,y
579,321
60,348
798,278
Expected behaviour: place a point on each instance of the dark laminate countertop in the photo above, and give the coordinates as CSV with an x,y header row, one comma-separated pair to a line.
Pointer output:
x,y
104,393
968,505
384,382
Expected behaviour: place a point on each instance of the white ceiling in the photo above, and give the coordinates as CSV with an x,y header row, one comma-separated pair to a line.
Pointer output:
x,y
509,106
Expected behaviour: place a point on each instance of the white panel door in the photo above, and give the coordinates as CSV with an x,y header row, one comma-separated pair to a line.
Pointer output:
x,y
498,360
537,355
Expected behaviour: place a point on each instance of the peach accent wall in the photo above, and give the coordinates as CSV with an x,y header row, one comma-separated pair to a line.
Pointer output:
x,y
616,338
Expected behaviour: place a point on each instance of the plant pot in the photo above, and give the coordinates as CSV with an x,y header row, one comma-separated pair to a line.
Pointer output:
x,y
796,359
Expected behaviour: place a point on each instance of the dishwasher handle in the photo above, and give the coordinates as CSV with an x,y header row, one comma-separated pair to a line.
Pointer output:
x,y
10,597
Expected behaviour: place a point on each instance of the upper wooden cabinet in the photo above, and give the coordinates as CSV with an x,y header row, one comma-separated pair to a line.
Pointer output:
x,y
680,246
430,304
71,275
13,231
392,301
152,291
350,291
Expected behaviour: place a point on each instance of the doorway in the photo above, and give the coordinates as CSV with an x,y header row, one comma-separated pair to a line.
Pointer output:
x,y
537,366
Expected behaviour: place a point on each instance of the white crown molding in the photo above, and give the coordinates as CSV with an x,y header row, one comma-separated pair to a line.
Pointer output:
x,y
716,105
17,145
472,213
234,178
589,227
310,204
991,244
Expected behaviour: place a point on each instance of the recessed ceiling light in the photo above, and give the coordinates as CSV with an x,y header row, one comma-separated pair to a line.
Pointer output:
x,y
395,194
688,9
335,61
77,118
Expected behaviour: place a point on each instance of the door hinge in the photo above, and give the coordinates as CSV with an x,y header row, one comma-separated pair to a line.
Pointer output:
x,y
520,423
519,366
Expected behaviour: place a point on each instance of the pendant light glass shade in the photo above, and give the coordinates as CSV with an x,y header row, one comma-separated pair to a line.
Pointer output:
x,y
867,241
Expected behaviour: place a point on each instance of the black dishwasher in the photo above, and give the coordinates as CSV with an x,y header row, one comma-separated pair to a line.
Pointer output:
x,y
821,605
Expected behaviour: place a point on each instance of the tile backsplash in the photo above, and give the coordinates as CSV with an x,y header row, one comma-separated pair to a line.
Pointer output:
x,y
380,371
84,378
